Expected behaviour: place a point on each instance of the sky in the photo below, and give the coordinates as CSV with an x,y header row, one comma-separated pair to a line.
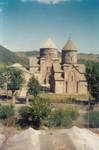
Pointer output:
x,y
26,24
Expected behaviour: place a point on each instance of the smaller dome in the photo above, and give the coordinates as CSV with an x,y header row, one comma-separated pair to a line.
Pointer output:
x,y
48,44
70,46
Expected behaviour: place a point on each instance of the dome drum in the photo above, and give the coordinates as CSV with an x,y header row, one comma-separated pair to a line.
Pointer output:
x,y
69,57
48,53
49,50
69,53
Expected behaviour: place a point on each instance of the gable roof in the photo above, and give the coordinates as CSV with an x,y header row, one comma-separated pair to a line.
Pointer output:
x,y
70,46
49,44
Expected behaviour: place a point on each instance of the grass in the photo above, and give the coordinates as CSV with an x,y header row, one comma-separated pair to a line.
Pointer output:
x,y
63,117
62,98
93,117
59,101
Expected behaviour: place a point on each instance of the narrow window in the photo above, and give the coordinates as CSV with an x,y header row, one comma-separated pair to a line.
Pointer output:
x,y
72,78
66,86
77,86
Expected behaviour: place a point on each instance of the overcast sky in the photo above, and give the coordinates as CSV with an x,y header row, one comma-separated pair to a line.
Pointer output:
x,y
26,24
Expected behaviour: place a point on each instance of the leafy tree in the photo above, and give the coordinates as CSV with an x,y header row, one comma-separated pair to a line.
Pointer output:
x,y
92,74
15,81
38,110
6,74
2,80
33,87
41,107
36,113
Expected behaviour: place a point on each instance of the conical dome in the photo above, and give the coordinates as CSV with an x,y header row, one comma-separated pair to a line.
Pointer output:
x,y
69,53
49,44
49,50
70,46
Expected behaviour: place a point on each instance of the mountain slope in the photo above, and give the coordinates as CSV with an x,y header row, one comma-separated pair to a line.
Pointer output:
x,y
28,53
82,57
7,57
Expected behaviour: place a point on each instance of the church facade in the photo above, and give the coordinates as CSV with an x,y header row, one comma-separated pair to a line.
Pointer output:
x,y
62,74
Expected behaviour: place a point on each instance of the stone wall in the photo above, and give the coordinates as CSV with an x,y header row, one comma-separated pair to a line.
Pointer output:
x,y
74,80
59,87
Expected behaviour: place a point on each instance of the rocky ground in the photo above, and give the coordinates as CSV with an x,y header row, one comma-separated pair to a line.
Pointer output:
x,y
56,141
62,139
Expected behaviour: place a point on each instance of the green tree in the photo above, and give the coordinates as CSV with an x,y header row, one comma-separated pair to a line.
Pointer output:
x,y
2,80
15,81
33,87
92,74
36,113
6,73
41,107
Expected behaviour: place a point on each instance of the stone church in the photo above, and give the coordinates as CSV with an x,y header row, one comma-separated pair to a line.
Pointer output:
x,y
62,74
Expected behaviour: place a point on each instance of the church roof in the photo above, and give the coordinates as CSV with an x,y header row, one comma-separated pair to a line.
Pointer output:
x,y
49,44
18,66
70,45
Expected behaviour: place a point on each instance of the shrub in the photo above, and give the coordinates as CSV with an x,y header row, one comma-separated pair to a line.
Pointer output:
x,y
25,116
7,114
92,119
25,112
62,118
34,114
41,107
6,111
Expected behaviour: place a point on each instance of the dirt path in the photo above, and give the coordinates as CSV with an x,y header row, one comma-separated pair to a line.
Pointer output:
x,y
56,141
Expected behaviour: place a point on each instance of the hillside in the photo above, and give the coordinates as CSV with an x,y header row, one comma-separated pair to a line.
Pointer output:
x,y
82,57
27,54
7,57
